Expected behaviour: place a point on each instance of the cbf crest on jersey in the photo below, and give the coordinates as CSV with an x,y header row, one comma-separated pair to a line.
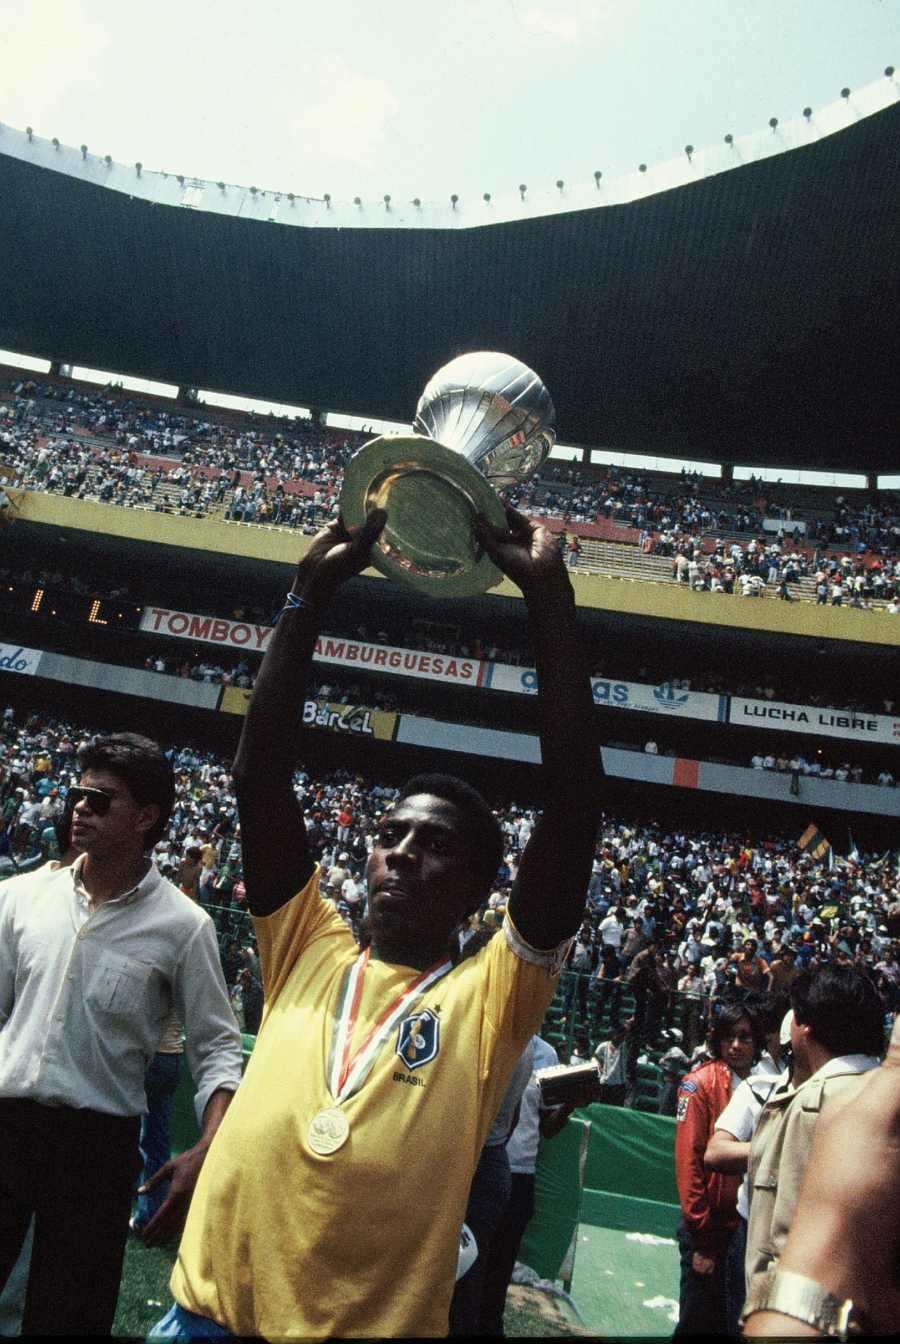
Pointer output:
x,y
418,1039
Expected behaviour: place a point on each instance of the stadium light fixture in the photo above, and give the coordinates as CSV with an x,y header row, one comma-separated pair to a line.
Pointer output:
x,y
327,199
253,191
107,159
807,112
889,72
417,202
55,142
642,167
522,190
689,151
387,200
773,122
560,184
84,151
357,201
291,197
845,93
137,168
221,186
486,198
729,139
453,199
30,133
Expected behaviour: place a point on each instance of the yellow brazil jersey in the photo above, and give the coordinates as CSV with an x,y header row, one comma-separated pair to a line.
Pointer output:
x,y
282,1242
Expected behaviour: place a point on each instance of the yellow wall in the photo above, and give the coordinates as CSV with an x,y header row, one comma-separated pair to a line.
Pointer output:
x,y
592,590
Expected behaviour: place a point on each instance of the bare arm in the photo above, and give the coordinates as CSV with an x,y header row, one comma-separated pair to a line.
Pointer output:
x,y
548,899
182,1171
276,857
726,1153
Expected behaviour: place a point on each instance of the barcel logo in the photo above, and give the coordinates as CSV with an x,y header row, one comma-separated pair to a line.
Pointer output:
x,y
353,719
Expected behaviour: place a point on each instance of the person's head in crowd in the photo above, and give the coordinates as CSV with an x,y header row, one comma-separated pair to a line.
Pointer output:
x,y
621,1031
768,1008
582,1042
68,851
124,796
735,1037
837,1011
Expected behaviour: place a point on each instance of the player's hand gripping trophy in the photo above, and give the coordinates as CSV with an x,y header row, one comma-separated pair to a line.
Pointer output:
x,y
485,420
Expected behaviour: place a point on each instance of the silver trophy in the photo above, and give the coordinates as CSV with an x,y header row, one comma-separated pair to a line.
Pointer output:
x,y
485,420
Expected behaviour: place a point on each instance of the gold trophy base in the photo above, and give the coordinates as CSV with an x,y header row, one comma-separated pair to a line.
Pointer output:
x,y
431,495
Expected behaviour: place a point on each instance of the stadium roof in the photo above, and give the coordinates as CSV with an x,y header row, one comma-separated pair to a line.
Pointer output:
x,y
738,304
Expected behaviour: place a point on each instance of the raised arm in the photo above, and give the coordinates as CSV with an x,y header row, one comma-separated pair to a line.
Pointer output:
x,y
276,857
548,899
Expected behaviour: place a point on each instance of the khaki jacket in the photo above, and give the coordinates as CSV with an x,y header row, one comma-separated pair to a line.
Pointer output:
x,y
779,1152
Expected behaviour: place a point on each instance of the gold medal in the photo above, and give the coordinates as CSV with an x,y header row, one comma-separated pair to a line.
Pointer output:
x,y
328,1131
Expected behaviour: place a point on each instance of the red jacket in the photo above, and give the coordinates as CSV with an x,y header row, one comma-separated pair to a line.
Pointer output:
x,y
708,1198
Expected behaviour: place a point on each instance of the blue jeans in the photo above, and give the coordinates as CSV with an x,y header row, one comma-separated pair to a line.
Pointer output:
x,y
489,1197
705,1302
735,1277
180,1326
161,1083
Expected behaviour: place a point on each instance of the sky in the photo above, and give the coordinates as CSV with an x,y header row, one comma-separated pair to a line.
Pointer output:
x,y
422,98
417,97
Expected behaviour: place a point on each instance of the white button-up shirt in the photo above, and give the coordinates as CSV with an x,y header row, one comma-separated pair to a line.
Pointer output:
x,y
85,993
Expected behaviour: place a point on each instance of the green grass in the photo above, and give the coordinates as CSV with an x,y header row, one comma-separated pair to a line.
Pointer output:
x,y
144,1295
531,1314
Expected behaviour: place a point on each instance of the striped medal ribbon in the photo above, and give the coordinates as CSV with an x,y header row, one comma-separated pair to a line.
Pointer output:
x,y
348,1069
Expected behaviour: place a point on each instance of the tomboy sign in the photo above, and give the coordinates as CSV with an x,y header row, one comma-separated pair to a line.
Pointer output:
x,y
329,648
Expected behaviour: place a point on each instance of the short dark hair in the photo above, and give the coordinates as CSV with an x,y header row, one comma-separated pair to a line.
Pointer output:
x,y
484,833
140,763
768,1007
842,1009
727,1018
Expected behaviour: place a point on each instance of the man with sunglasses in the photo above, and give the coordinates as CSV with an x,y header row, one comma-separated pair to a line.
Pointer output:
x,y
93,960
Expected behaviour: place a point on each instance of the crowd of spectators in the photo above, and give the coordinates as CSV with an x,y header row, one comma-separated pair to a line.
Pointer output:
x,y
760,565
91,445
795,763
672,915
96,445
631,499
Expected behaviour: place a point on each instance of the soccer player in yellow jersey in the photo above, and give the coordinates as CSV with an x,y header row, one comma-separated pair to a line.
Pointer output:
x,y
331,1201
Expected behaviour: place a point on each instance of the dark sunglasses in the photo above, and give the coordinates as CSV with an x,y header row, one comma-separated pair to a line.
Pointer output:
x,y
97,800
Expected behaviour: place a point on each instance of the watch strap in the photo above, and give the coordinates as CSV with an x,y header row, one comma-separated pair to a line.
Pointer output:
x,y
806,1300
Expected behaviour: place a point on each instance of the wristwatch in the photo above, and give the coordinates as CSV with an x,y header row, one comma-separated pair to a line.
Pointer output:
x,y
795,1295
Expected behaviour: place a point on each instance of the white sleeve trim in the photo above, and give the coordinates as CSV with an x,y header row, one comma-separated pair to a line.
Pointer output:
x,y
552,960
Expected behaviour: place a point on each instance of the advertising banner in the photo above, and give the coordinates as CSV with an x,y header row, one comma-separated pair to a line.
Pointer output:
x,y
857,727
376,723
13,658
352,653
206,629
664,699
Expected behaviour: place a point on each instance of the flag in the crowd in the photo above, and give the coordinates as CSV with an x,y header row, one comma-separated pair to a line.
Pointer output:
x,y
853,852
813,842
880,865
